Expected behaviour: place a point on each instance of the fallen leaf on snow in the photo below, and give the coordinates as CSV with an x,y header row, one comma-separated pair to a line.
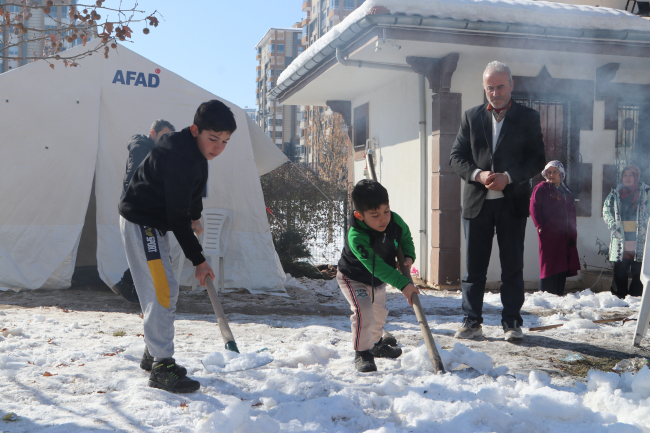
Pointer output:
x,y
48,374
183,404
10,417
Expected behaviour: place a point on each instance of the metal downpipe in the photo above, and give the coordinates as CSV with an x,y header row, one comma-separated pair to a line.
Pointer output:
x,y
424,179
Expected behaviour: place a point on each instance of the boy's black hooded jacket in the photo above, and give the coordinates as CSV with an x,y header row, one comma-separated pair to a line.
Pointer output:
x,y
166,190
369,256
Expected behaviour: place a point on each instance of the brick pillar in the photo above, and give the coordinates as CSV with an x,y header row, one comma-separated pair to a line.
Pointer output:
x,y
445,192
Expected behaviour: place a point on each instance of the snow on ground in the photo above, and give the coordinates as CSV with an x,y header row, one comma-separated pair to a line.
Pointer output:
x,y
527,12
69,371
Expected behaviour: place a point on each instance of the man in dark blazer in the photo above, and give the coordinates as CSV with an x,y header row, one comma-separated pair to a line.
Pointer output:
x,y
499,148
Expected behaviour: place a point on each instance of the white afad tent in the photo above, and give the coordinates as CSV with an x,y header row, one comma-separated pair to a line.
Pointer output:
x,y
64,127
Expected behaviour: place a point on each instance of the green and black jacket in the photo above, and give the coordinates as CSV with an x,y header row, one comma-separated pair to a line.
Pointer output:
x,y
370,255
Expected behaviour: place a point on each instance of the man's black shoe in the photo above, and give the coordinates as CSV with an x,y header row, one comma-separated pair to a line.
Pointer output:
x,y
147,363
364,361
165,375
644,9
383,350
126,288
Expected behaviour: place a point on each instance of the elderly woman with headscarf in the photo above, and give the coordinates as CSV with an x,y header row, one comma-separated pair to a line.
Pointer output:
x,y
554,214
626,212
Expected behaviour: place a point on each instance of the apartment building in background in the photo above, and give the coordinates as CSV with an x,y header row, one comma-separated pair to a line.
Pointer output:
x,y
275,51
321,16
252,112
57,18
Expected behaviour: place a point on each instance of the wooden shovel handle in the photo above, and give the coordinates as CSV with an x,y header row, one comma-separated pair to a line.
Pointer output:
x,y
434,356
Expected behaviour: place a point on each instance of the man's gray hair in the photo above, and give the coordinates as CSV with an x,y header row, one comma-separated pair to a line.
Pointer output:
x,y
497,67
160,124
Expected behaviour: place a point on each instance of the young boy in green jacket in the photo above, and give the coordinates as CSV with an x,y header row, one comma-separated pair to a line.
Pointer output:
x,y
367,264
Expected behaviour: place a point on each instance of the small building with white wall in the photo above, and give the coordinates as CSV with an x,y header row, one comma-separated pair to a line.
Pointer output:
x,y
402,73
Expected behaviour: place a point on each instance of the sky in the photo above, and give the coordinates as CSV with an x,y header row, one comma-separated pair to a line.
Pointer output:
x,y
211,42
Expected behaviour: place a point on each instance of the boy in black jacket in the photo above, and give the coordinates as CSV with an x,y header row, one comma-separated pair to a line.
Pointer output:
x,y
165,194
367,264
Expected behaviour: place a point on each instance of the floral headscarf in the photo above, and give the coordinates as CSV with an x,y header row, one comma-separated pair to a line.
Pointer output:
x,y
634,189
560,168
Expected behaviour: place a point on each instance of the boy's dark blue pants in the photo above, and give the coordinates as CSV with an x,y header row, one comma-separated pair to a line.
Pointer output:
x,y
495,215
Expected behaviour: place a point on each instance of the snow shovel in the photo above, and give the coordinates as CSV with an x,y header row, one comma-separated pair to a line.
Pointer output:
x,y
231,363
226,333
434,356
239,362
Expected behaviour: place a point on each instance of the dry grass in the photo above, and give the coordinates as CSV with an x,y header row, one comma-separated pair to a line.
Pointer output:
x,y
581,368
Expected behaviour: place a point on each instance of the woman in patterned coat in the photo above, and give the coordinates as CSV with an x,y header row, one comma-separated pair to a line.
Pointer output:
x,y
553,211
626,212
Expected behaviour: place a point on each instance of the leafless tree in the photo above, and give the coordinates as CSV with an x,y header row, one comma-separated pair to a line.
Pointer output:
x,y
25,32
327,137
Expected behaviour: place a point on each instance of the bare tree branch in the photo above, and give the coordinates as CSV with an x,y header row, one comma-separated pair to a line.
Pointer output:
x,y
79,26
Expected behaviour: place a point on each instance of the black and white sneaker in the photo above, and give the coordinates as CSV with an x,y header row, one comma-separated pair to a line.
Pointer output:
x,y
389,339
147,362
383,350
364,361
469,329
512,331
165,375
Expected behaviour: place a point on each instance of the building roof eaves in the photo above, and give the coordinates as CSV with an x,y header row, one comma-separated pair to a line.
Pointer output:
x,y
411,21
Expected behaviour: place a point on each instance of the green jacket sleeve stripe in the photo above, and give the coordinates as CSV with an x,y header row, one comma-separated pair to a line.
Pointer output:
x,y
407,240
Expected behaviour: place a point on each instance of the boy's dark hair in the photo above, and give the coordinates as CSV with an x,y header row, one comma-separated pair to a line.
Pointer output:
x,y
160,124
368,195
215,116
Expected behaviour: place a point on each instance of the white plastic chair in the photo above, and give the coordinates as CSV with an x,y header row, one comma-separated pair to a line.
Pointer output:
x,y
216,232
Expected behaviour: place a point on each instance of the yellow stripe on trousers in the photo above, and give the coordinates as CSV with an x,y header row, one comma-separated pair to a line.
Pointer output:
x,y
160,282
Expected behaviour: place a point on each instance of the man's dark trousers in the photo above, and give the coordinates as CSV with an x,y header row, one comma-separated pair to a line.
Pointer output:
x,y
479,234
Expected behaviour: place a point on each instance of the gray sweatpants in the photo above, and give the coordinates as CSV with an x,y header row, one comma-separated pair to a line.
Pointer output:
x,y
368,318
147,253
